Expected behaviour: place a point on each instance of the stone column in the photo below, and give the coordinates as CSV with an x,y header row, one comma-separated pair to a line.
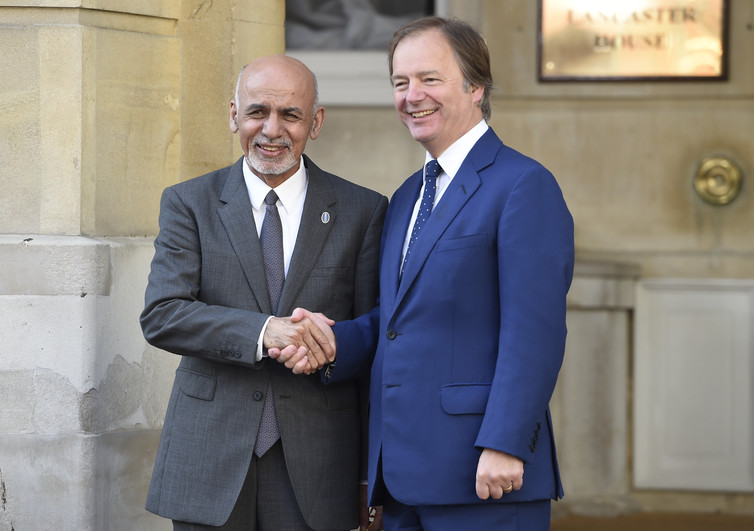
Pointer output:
x,y
104,104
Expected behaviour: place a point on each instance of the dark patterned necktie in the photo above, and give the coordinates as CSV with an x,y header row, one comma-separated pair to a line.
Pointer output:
x,y
425,209
271,238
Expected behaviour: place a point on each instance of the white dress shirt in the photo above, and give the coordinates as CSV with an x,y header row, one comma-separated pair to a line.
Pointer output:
x,y
291,195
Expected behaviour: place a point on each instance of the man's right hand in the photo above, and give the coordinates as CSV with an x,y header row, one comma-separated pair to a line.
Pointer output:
x,y
304,342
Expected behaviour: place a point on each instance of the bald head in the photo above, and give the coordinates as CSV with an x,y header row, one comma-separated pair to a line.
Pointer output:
x,y
281,62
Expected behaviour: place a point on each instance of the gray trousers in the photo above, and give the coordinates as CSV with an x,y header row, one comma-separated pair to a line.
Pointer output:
x,y
266,503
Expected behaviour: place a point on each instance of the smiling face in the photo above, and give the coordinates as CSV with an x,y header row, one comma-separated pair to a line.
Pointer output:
x,y
430,93
274,116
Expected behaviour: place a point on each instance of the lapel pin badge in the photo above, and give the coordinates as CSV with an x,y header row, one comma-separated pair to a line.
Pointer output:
x,y
325,217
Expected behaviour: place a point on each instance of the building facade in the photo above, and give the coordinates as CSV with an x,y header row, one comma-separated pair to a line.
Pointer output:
x,y
107,102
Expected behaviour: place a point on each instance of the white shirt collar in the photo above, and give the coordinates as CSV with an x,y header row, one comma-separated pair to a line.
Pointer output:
x,y
290,192
451,159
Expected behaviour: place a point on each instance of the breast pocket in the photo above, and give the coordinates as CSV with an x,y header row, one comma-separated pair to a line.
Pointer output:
x,y
328,290
463,242
329,272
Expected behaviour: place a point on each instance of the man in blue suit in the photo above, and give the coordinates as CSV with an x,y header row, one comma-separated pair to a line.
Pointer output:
x,y
467,341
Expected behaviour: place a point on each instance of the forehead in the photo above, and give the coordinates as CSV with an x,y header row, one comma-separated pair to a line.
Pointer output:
x,y
428,50
277,87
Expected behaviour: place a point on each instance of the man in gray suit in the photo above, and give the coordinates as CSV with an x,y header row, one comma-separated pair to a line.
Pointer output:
x,y
211,300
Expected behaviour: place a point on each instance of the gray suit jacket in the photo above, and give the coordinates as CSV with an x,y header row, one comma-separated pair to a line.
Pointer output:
x,y
207,301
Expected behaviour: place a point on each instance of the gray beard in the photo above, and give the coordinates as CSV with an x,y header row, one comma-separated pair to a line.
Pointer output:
x,y
264,167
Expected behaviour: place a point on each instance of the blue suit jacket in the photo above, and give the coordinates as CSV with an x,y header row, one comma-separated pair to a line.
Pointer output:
x,y
467,346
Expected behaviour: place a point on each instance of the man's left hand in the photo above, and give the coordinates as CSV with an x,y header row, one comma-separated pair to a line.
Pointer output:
x,y
496,473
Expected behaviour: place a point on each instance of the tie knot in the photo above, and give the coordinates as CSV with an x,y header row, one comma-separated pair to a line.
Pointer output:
x,y
433,168
271,198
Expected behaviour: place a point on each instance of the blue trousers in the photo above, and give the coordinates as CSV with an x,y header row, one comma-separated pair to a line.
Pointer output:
x,y
525,516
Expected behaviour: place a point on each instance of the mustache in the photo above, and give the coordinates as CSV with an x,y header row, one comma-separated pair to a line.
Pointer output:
x,y
264,139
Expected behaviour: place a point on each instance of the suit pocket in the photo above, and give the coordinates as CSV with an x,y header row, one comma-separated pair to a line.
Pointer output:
x,y
464,399
464,242
329,272
197,385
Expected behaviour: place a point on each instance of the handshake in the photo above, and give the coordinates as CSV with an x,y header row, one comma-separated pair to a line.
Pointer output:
x,y
303,342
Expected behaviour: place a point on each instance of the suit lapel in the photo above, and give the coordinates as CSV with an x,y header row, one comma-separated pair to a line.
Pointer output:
x,y
317,220
401,205
463,185
238,219
460,190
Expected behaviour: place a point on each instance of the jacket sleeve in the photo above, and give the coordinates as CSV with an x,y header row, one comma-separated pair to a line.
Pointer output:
x,y
535,257
356,342
175,318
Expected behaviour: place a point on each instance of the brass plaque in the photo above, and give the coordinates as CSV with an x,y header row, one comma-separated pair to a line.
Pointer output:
x,y
624,40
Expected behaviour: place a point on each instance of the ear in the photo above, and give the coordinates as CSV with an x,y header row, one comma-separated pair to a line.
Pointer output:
x,y
477,93
233,117
317,123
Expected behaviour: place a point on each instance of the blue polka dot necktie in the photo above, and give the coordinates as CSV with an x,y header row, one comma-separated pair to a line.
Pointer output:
x,y
271,238
433,169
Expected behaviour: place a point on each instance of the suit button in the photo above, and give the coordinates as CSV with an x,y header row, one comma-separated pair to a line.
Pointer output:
x,y
391,334
258,396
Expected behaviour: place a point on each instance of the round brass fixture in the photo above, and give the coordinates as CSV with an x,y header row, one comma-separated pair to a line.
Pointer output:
x,y
718,180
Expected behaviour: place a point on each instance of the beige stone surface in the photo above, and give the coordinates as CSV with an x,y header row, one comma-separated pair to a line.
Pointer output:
x,y
589,403
93,122
81,483
60,119
627,168
140,7
133,132
20,134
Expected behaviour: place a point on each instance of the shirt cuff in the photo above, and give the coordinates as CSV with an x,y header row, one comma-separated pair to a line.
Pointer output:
x,y
261,352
